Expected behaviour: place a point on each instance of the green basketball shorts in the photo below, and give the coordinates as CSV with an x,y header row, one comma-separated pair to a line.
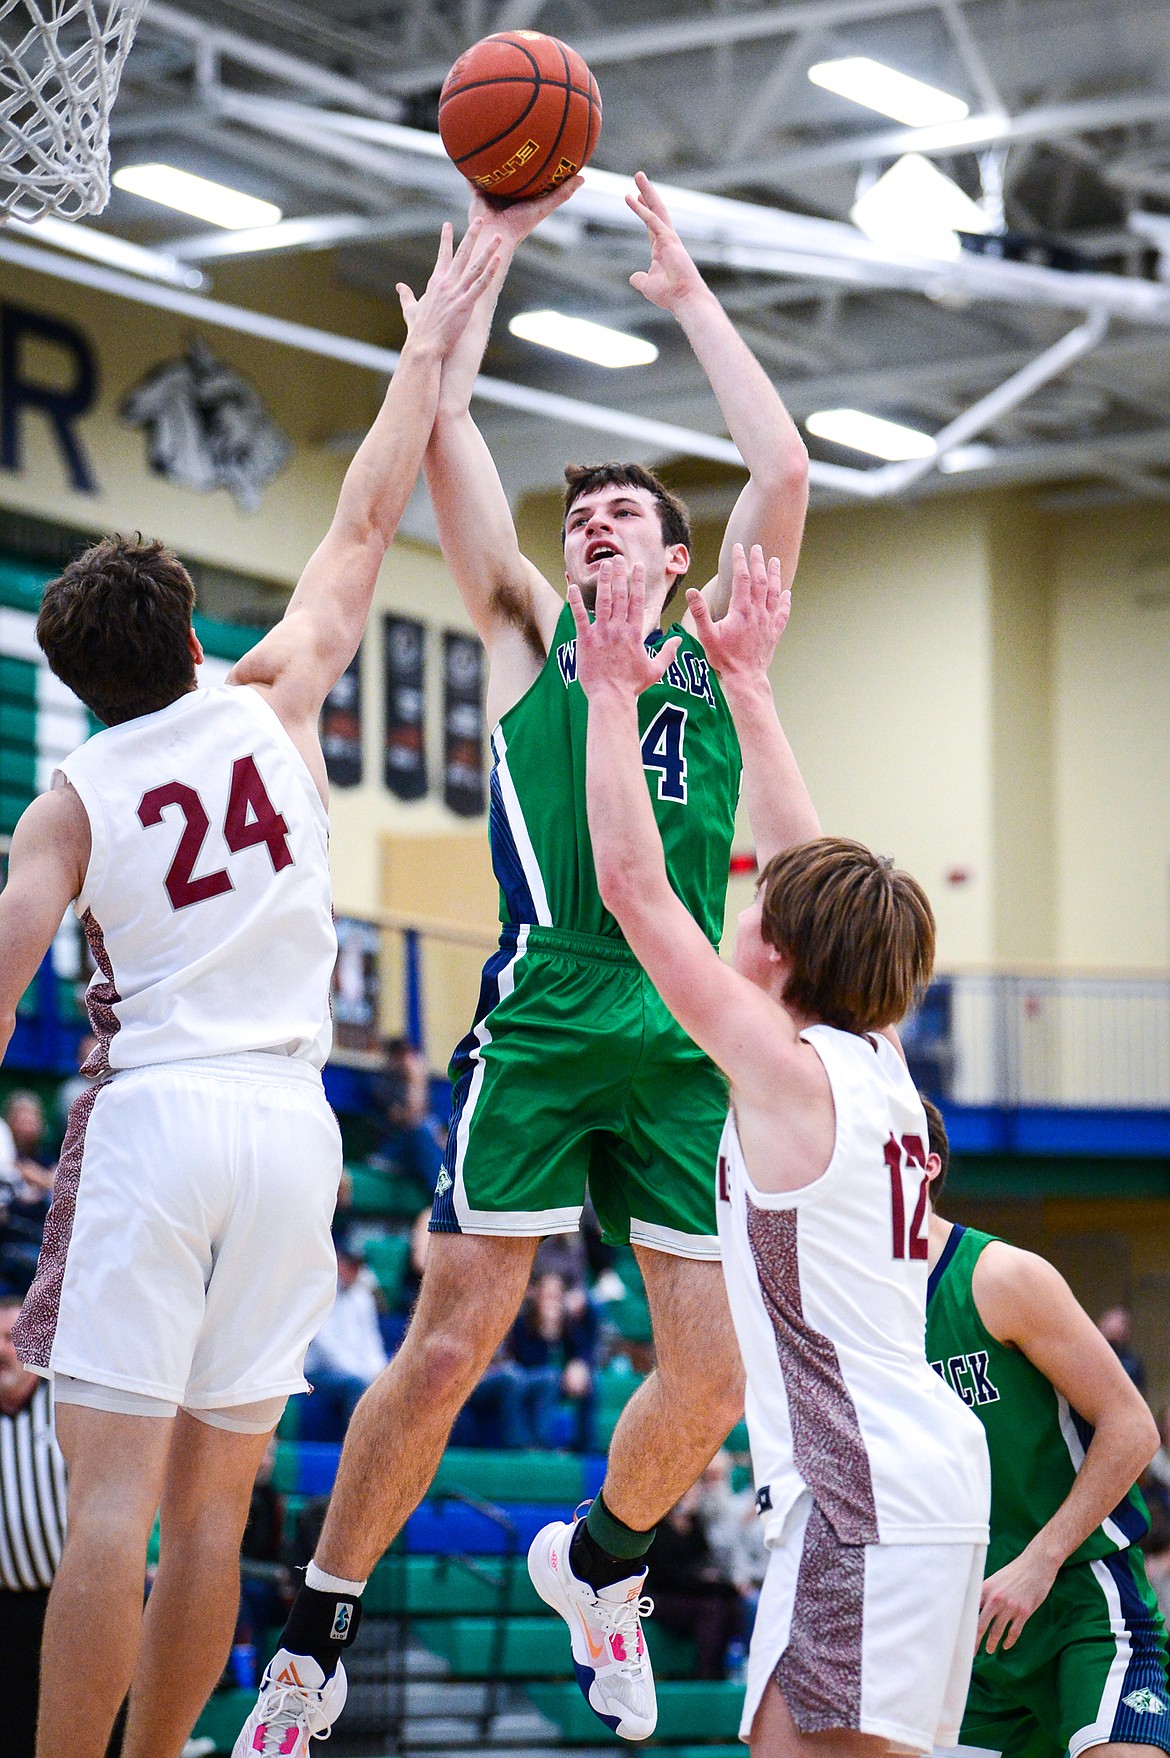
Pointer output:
x,y
1089,1669
574,1073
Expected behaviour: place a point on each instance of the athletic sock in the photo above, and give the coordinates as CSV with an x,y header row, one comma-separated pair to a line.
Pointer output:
x,y
324,1619
604,1549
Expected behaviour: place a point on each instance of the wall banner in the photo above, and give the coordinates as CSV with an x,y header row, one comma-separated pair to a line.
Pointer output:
x,y
463,786
341,726
404,654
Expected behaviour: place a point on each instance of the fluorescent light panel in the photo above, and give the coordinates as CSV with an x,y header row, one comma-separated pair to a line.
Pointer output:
x,y
891,93
582,339
870,433
197,196
914,207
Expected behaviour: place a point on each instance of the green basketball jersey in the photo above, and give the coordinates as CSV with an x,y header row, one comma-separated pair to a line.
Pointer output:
x,y
538,827
1035,1441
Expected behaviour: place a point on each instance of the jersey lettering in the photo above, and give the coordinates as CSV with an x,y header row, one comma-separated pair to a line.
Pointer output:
x,y
723,1183
968,1378
688,672
911,1150
662,751
250,819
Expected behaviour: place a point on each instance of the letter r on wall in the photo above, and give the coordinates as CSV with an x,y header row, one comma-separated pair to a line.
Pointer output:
x,y
62,407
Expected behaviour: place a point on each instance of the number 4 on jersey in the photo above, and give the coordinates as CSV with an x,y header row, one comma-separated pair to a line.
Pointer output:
x,y
251,818
911,1151
662,751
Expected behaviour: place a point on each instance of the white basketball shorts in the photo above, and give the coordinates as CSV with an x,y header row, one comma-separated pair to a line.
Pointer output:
x,y
878,1638
187,1254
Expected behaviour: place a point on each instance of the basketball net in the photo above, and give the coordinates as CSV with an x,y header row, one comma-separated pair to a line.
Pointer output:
x,y
60,65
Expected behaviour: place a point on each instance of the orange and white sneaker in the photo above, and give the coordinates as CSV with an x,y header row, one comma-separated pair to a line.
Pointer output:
x,y
605,1627
297,1703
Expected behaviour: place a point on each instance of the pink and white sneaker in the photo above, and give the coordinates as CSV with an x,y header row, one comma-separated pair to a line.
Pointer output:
x,y
605,1627
297,1703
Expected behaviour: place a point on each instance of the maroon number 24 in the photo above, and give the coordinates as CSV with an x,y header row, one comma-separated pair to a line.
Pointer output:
x,y
251,818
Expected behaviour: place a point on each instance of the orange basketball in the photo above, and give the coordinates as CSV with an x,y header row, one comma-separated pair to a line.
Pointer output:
x,y
519,112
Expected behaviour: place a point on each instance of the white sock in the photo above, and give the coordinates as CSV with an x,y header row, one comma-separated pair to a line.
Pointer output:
x,y
323,1583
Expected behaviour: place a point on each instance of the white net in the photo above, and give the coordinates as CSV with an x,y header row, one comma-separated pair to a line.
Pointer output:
x,y
60,65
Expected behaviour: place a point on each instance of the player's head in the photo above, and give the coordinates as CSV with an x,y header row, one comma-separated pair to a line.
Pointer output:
x,y
623,509
116,627
851,937
938,1157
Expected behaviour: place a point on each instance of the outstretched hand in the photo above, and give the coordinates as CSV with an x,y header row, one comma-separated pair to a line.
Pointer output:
x,y
611,652
672,276
515,220
742,642
457,280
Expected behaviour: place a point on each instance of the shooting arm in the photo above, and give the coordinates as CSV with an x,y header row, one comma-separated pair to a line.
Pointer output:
x,y
1026,1302
46,868
770,510
499,586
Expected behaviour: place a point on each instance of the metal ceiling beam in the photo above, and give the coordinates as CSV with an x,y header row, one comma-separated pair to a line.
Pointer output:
x,y
208,39
675,35
1044,122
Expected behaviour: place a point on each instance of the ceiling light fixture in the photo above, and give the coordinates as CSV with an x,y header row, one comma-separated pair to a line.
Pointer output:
x,y
584,340
197,196
870,433
914,207
891,93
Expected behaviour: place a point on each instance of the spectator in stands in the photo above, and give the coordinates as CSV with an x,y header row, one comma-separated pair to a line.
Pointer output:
x,y
410,1140
1115,1326
347,1353
72,1089
734,1529
32,1517
554,1343
26,1192
692,1595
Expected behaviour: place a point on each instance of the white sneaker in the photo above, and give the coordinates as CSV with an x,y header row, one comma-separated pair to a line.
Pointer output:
x,y
296,1704
609,1650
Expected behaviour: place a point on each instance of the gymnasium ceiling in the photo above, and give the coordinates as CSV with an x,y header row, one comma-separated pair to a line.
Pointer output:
x,y
1069,126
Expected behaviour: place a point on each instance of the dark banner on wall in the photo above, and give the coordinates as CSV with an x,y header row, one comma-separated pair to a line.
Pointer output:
x,y
341,727
355,997
404,652
463,787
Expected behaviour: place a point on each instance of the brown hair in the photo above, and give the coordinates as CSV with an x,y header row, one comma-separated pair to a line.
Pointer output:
x,y
938,1143
114,627
587,478
859,934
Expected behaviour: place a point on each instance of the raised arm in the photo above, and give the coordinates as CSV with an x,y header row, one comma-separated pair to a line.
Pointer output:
x,y
300,660
1024,1301
507,598
771,508
46,868
739,1026
740,646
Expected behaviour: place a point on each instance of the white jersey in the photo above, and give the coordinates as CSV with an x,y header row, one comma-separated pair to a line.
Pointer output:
x,y
827,1287
206,901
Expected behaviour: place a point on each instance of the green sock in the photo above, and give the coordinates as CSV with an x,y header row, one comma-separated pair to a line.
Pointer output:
x,y
613,1535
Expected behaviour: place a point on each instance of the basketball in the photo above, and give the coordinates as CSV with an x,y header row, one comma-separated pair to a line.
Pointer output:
x,y
518,113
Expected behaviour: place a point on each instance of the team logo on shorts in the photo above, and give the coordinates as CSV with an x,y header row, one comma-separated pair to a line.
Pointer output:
x,y
443,1182
1144,1702
342,1618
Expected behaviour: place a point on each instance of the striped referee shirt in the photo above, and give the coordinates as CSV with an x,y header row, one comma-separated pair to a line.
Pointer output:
x,y
32,1495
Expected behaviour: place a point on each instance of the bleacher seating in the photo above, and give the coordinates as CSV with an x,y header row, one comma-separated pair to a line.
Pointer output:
x,y
458,1576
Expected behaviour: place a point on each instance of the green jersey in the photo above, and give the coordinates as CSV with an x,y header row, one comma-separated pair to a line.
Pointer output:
x,y
1035,1441
539,832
